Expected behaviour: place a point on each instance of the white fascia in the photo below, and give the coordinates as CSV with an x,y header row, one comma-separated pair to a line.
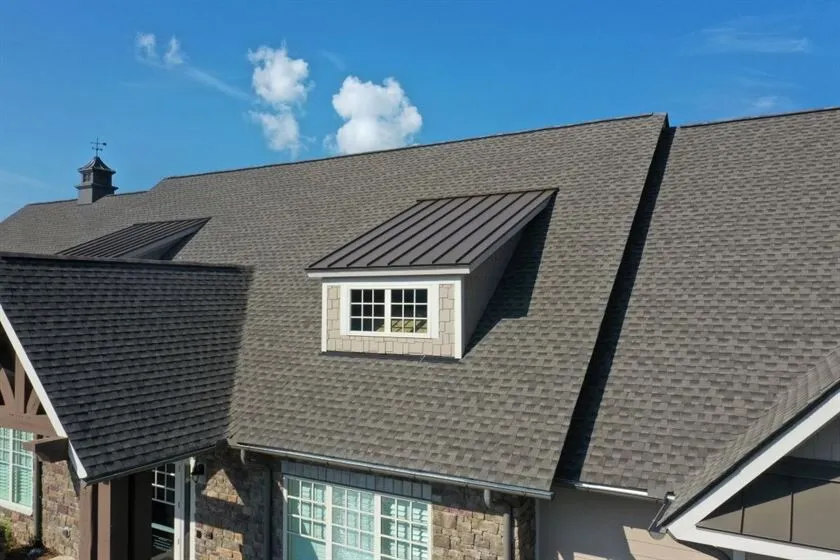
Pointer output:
x,y
404,272
685,527
40,391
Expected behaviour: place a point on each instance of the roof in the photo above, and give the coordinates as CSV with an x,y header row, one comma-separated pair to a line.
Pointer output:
x,y
735,299
454,231
96,164
509,400
137,357
136,238
804,393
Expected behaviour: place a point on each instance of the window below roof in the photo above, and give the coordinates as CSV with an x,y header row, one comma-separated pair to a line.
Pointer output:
x,y
15,471
402,311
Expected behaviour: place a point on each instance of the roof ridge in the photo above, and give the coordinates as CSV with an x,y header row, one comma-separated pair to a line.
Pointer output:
x,y
761,117
419,146
118,260
62,200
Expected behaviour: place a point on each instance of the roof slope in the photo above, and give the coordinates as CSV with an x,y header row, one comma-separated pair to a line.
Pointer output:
x,y
805,392
736,297
137,357
457,231
507,403
135,238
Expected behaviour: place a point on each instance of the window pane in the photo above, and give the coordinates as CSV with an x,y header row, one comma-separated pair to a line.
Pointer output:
x,y
356,310
356,296
408,311
408,296
319,493
367,311
379,296
396,311
367,325
420,326
421,296
338,496
367,503
378,310
355,324
389,507
368,296
396,296
420,310
379,325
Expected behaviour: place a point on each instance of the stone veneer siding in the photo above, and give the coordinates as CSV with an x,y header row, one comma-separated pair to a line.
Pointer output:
x,y
444,345
60,507
230,512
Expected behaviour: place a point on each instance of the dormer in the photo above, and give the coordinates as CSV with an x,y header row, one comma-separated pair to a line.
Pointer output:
x,y
418,284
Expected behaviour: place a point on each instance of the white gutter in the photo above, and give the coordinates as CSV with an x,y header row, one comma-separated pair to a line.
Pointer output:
x,y
396,471
616,490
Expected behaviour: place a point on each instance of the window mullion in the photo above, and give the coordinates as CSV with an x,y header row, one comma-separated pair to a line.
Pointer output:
x,y
377,526
328,530
387,310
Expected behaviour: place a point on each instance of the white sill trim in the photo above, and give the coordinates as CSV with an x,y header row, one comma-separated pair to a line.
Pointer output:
x,y
11,506
391,334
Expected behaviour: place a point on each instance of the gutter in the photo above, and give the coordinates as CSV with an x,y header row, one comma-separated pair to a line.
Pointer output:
x,y
617,491
396,471
146,467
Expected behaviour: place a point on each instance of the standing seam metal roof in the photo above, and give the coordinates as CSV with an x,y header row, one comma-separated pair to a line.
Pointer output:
x,y
134,238
440,232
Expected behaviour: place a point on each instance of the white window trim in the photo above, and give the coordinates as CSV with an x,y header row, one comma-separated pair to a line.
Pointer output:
x,y
377,520
433,303
685,527
8,504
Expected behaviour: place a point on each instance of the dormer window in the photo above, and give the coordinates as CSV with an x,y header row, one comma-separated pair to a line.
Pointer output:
x,y
389,311
418,284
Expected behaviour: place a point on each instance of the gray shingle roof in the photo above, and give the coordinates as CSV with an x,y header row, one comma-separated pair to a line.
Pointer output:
x,y
804,393
455,231
735,298
127,241
501,414
137,357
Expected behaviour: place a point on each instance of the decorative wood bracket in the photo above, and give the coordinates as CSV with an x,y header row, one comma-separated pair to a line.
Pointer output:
x,y
49,450
20,408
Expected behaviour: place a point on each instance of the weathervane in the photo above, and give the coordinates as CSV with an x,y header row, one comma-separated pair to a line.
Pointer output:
x,y
98,146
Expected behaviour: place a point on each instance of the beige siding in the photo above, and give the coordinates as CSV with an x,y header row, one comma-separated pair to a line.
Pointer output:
x,y
481,283
824,445
443,345
578,525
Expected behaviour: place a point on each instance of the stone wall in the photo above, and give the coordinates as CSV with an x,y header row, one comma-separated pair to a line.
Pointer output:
x,y
464,528
60,506
443,345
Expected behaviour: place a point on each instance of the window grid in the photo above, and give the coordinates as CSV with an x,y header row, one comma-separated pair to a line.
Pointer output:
x,y
383,527
163,484
15,468
389,310
307,503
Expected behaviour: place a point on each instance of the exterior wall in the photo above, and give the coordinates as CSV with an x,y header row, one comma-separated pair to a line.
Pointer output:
x,y
443,345
578,525
824,445
59,504
481,283
230,511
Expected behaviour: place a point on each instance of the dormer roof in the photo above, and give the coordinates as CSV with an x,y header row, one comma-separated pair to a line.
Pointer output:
x,y
460,231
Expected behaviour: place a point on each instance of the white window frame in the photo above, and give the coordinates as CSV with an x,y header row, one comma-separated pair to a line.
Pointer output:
x,y
432,302
377,516
8,504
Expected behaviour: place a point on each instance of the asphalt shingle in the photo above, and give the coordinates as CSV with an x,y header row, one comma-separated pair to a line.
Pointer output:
x,y
137,357
500,414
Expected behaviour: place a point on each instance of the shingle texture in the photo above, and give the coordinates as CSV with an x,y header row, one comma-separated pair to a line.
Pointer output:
x,y
736,299
500,414
137,357
135,238
805,391
457,231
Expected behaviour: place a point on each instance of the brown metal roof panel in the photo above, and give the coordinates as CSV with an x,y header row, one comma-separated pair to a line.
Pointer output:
x,y
495,224
408,253
510,227
389,248
132,238
421,208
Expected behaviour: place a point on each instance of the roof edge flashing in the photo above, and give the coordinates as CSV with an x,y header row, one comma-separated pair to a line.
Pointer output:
x,y
393,271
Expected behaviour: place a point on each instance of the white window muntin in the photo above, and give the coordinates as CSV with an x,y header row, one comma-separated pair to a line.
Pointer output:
x,y
336,502
16,470
433,308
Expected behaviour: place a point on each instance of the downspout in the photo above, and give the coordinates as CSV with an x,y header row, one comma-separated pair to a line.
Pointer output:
x,y
507,525
267,512
268,533
37,512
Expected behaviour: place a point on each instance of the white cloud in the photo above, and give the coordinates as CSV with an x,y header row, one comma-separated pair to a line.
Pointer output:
x,y
756,35
280,128
281,83
173,55
174,59
279,79
377,117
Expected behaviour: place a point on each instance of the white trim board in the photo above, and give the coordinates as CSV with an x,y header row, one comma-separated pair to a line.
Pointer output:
x,y
402,272
685,527
40,391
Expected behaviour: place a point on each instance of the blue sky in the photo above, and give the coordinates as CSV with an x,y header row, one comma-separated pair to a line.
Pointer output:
x,y
184,87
